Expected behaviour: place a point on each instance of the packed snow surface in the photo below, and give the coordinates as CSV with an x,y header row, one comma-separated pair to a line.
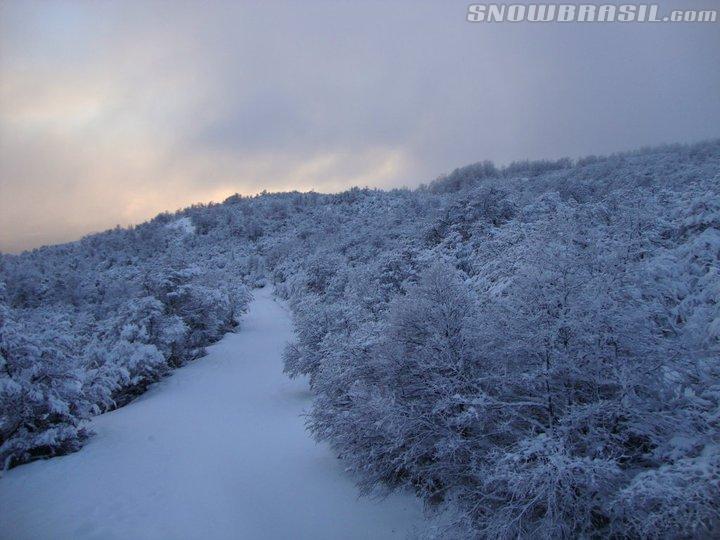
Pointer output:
x,y
217,450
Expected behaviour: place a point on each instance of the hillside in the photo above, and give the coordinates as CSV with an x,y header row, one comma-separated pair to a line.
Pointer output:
x,y
533,349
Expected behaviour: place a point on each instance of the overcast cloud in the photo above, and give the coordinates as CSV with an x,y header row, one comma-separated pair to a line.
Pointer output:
x,y
111,112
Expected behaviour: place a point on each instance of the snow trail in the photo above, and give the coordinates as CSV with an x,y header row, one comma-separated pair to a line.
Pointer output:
x,y
217,450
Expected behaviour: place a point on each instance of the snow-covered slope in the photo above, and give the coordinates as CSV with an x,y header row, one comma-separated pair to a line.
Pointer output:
x,y
217,450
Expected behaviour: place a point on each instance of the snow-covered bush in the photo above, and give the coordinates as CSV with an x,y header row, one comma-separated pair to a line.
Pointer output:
x,y
42,406
541,490
676,500
546,365
87,327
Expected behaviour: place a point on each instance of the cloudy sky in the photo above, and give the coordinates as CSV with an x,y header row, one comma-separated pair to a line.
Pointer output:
x,y
112,111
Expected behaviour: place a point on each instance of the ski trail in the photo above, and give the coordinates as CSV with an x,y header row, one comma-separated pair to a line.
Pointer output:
x,y
217,450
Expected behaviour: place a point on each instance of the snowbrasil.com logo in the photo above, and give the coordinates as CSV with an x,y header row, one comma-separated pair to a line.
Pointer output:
x,y
591,13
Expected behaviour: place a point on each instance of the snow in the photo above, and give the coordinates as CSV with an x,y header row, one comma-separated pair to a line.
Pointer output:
x,y
184,224
217,450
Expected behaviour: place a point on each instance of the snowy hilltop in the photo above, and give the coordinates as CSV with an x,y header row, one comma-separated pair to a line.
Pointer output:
x,y
533,350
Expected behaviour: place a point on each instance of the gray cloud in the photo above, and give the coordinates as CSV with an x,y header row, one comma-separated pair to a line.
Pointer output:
x,y
111,112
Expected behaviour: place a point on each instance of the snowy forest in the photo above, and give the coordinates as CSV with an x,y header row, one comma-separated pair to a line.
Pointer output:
x,y
533,350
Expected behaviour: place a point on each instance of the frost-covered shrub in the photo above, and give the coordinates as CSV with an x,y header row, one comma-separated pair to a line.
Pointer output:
x,y
42,406
579,391
88,326
207,313
540,490
145,320
305,356
677,500
400,399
